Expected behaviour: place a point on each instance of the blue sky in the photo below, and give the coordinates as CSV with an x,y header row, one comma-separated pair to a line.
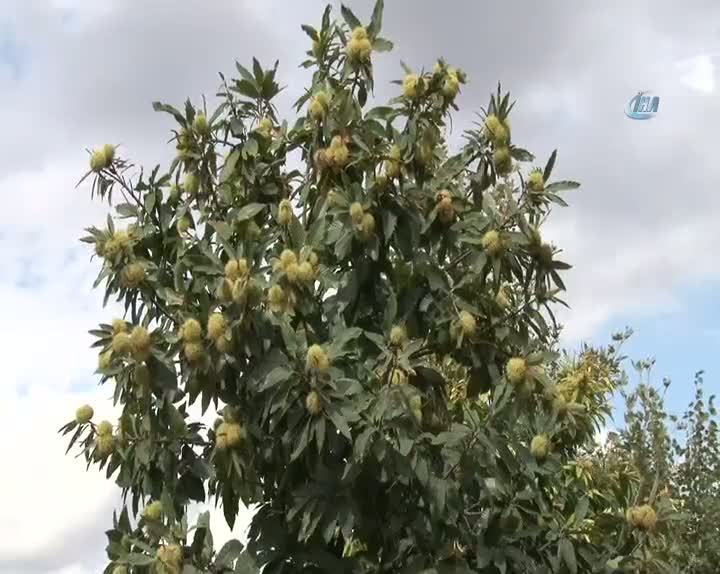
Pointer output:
x,y
642,232
12,57
682,341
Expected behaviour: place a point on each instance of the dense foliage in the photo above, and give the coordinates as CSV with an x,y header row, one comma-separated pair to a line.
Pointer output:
x,y
370,315
676,462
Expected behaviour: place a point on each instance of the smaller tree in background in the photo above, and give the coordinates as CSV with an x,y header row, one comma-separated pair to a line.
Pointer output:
x,y
675,463
695,480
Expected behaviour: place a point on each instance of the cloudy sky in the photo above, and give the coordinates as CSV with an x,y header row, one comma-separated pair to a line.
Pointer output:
x,y
642,231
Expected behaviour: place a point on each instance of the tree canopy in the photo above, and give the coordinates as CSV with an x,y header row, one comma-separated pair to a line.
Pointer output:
x,y
370,315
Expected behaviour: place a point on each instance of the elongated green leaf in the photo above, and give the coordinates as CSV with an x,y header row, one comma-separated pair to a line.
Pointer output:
x,y
222,229
382,45
177,421
137,559
247,88
340,423
248,211
302,442
562,185
519,154
277,375
549,166
160,107
246,565
230,552
250,149
343,246
244,72
229,166
376,20
339,342
381,112
581,508
350,19
310,31
566,552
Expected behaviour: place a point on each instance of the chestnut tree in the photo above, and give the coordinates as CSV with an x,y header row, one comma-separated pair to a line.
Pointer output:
x,y
369,315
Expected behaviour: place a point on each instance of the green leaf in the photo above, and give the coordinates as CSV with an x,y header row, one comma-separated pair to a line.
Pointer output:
x,y
320,434
230,504
171,297
556,199
246,565
250,149
302,442
405,445
269,87
566,552
74,437
362,94
244,72
390,311
310,31
162,375
192,486
562,185
218,112
149,201
340,423
248,211
382,45
549,166
222,229
297,233
189,111
126,210
247,88
290,339
376,338
389,220
177,421
581,508
230,552
376,19
160,107
519,154
437,489
277,375
341,339
166,498
137,559
480,381
350,18
229,166
380,112
343,246
315,233
435,277
258,71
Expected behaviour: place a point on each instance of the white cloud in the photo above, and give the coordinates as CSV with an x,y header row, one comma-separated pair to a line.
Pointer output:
x,y
54,501
644,276
698,73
